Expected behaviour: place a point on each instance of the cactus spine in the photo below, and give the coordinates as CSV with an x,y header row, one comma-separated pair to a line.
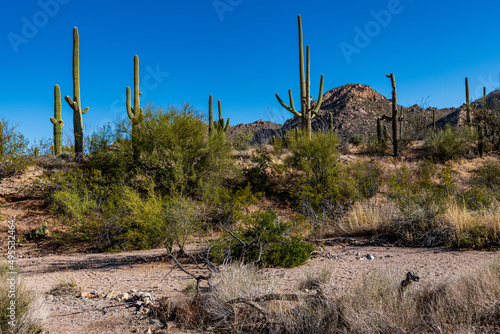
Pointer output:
x,y
394,118
135,114
57,121
74,102
221,124
306,111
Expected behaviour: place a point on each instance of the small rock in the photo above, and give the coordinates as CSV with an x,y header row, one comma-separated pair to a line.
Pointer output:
x,y
122,296
148,331
156,322
84,294
110,295
370,257
50,298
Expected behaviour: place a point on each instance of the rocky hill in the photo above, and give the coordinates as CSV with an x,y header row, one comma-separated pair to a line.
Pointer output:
x,y
355,108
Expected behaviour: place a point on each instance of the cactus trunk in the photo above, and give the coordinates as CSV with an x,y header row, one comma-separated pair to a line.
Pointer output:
x,y
75,102
394,118
468,118
57,121
2,140
135,114
221,124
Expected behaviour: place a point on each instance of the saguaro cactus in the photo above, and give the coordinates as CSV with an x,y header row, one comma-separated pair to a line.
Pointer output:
x,y
306,111
394,117
57,121
74,102
468,118
135,114
2,140
221,124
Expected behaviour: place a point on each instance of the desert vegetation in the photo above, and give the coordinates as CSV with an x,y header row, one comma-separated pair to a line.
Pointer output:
x,y
166,177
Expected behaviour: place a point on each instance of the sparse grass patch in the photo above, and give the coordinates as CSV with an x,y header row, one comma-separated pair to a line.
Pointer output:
x,y
30,309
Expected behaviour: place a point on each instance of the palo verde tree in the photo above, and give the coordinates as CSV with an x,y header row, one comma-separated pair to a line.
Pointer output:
x,y
74,102
57,121
306,112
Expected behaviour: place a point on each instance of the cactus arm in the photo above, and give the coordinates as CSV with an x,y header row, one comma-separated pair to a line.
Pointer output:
x,y
320,98
292,107
137,103
308,78
130,111
84,111
227,125
220,110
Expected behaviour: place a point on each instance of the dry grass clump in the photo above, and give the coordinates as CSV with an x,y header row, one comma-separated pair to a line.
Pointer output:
x,y
30,311
242,302
367,218
67,287
473,228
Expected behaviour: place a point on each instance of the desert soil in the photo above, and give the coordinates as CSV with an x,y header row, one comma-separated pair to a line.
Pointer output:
x,y
43,267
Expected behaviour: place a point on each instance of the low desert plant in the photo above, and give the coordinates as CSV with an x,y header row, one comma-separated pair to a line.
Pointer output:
x,y
450,143
263,237
30,310
14,156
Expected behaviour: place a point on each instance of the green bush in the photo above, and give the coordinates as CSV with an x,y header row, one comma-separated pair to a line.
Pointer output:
x,y
266,239
14,156
476,197
356,140
228,206
117,217
175,152
450,143
242,139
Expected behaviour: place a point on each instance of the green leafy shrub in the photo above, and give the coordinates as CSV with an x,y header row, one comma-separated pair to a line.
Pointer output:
x,y
475,197
242,139
356,140
175,152
14,156
228,206
265,239
450,143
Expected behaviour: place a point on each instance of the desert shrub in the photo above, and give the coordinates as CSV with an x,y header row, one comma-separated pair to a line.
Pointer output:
x,y
475,197
174,150
30,311
356,140
183,219
316,279
489,176
242,139
117,217
450,143
266,174
366,218
420,200
263,237
14,156
228,206
366,176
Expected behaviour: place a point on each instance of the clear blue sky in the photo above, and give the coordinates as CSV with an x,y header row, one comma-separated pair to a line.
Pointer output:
x,y
243,53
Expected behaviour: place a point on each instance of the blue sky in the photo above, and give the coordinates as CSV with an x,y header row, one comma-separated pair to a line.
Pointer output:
x,y
241,51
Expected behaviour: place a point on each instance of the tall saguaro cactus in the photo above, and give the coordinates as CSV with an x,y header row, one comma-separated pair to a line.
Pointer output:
x,y
74,102
306,112
394,117
57,121
221,124
468,118
135,114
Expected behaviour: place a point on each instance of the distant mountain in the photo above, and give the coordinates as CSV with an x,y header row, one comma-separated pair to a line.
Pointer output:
x,y
355,109
457,117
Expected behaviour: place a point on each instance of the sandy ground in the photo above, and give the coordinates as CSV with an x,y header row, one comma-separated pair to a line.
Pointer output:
x,y
146,270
